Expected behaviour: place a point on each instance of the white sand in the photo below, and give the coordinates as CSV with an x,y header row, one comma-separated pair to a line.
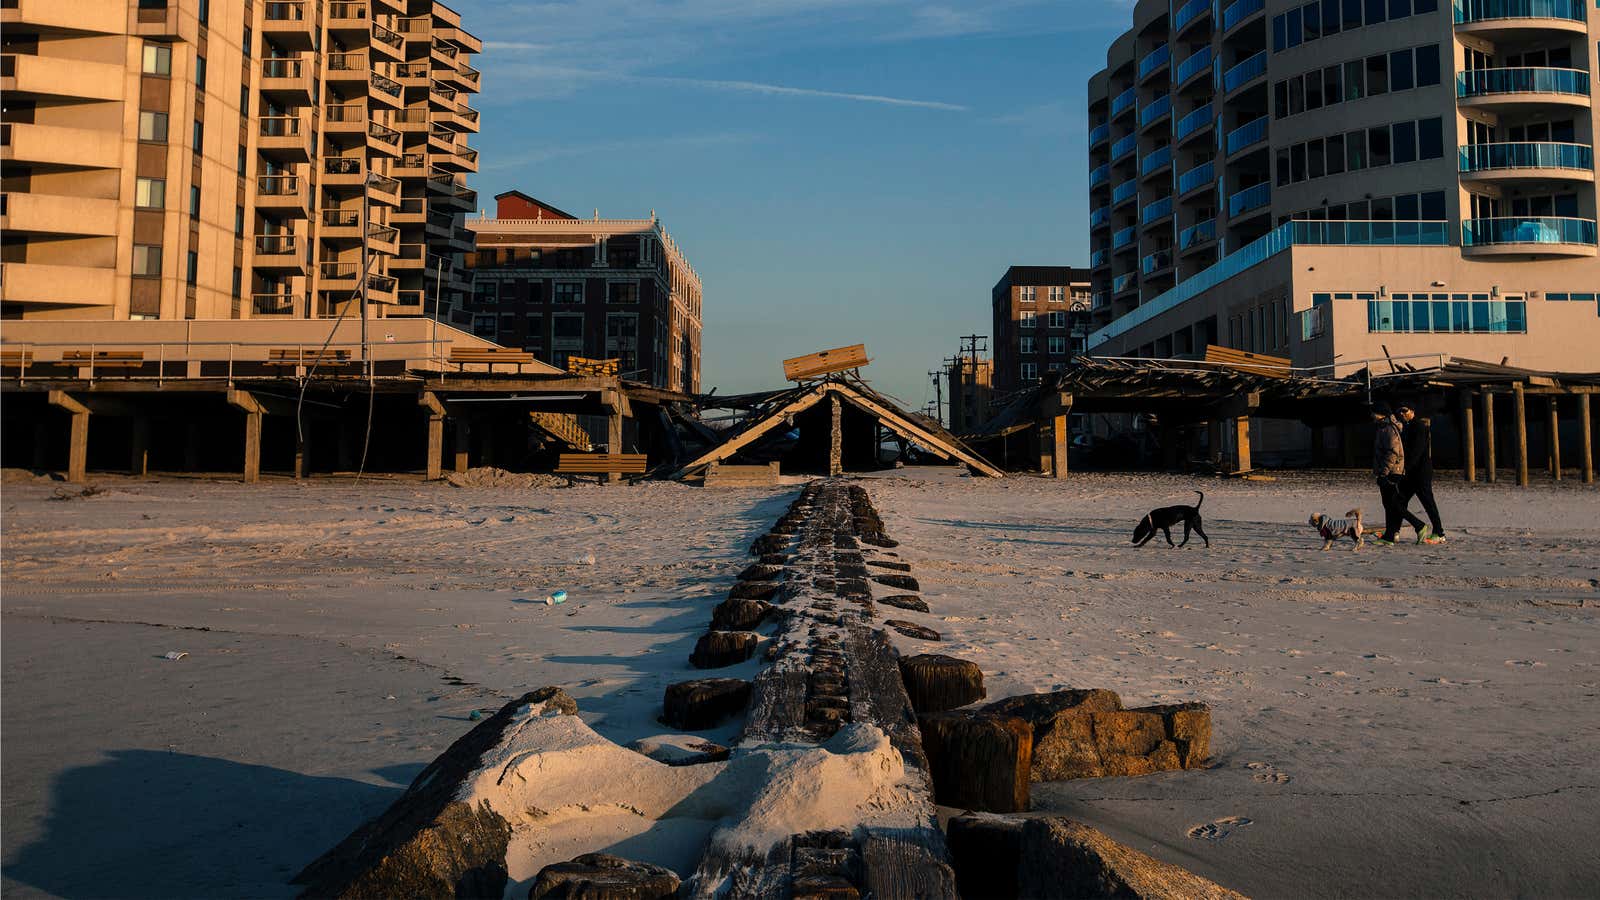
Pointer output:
x,y
1374,692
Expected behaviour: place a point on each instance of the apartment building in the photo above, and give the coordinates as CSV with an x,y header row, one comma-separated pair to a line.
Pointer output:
x,y
1038,311
969,380
560,286
226,159
1343,180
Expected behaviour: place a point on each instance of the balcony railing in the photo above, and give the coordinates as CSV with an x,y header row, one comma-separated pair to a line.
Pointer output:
x,y
382,283
1197,62
413,70
280,126
416,25
1124,237
345,113
1152,212
1099,217
384,183
1193,122
276,244
1154,111
347,62
1429,234
1124,282
1124,146
278,185
1099,134
1467,11
1154,60
1155,262
387,36
1527,230
1541,155
1198,233
1153,162
341,218
340,271
1099,175
285,11
1245,72
1488,82
1124,102
1205,173
387,234
272,304
386,84
341,165
1188,12
1124,192
1239,10
1250,198
1099,258
383,133
343,9
1251,132
281,67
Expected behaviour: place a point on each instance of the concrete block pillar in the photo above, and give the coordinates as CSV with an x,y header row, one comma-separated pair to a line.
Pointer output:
x,y
434,461
253,414
77,435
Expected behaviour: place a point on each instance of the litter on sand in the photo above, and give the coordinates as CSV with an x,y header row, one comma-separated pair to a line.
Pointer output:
x,y
556,598
175,655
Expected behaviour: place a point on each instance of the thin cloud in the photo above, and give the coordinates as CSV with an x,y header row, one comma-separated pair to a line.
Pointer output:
x,y
549,79
756,87
598,148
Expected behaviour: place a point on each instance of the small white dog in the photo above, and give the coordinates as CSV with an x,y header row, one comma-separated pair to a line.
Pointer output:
x,y
1334,529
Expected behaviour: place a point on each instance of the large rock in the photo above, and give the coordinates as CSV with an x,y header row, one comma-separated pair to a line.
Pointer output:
x,y
1087,734
898,582
1063,859
905,601
430,843
754,590
680,749
985,851
716,649
936,682
739,614
702,703
913,630
600,876
978,761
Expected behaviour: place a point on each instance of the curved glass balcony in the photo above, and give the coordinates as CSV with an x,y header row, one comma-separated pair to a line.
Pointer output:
x,y
1155,262
1252,132
1527,230
1538,155
1100,217
1193,122
1099,258
1203,174
1188,12
1124,237
1489,82
1124,192
1198,62
1099,134
1198,233
1253,197
1469,11
1156,211
1154,60
1125,281
1154,162
1154,111
1123,102
1099,175
1239,10
1245,72
1124,146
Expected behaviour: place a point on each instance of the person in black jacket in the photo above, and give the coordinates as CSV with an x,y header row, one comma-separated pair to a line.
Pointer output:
x,y
1418,439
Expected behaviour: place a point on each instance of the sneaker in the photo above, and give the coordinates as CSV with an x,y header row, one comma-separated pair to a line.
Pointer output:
x,y
1424,533
1387,542
1434,539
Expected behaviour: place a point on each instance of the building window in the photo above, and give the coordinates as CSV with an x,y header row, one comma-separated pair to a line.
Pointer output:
x,y
238,281
205,18
193,272
150,193
153,126
567,292
1030,372
485,293
1058,346
199,135
157,59
146,260
1027,294
242,162
248,38
624,291
238,221
1030,319
194,201
1058,319
200,71
1058,295
1027,345
1446,314
484,326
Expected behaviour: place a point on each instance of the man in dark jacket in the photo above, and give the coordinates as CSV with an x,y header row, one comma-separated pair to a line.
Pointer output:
x,y
1418,439
1389,469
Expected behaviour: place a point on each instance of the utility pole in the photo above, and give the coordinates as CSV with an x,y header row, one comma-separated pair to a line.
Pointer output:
x,y
937,378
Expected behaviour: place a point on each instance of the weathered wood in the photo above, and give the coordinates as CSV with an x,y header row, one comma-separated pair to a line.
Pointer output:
x,y
1086,733
702,703
1469,444
1252,363
1519,409
740,614
77,435
1585,439
601,463
913,630
717,649
1554,449
461,447
839,359
600,876
1490,465
1241,444
1060,859
835,436
936,682
978,761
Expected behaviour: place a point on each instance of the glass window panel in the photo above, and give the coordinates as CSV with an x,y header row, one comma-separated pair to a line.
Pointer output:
x,y
1427,63
1297,161
1440,319
1400,70
1378,146
1404,147
1460,321
1313,90
1424,6
1280,99
1279,40
1313,21
1399,9
1352,14
1354,80
1516,316
152,126
1335,154
1383,209
1566,205
157,59
1284,176
1314,159
1405,207
1330,16
1332,85
1297,95
1480,316
1419,315
1497,316
150,193
1430,138
1294,27
1377,75
1377,11
1402,317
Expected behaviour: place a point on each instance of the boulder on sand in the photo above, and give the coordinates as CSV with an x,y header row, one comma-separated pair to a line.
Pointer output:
x,y
978,760
898,582
1086,733
702,703
716,649
600,876
739,614
913,630
905,601
936,682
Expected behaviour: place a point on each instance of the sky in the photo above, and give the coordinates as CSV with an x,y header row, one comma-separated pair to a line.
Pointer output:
x,y
837,171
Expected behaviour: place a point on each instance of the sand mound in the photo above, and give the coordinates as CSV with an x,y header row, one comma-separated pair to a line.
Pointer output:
x,y
491,477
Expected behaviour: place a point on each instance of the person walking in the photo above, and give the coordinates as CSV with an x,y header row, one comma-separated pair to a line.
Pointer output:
x,y
1389,469
1417,435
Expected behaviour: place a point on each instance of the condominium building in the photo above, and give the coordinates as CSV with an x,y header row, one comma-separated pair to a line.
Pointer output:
x,y
560,286
1039,314
217,159
1344,180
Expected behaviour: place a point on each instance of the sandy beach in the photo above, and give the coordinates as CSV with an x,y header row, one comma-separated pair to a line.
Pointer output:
x,y
1403,721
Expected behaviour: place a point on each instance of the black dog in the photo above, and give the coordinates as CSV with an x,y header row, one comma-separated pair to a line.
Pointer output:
x,y
1168,516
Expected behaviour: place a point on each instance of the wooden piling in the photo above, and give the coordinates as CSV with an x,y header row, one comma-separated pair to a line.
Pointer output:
x,y
77,437
835,437
302,449
1585,441
1061,407
1554,449
434,462
1469,463
462,445
1241,443
1490,464
1519,406
139,447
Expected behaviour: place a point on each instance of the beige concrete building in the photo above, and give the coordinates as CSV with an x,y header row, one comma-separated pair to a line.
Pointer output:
x,y
1341,180
229,159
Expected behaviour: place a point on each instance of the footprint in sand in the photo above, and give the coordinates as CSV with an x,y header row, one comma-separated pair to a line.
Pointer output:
x,y
1218,829
1267,774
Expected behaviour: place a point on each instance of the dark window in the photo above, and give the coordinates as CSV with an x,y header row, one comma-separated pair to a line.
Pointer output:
x,y
1332,86
1355,152
1566,205
1400,70
1430,138
146,260
1562,130
205,17
1358,211
247,39
1432,206
1280,99
1427,65
238,281
1313,90
1405,207
1313,21
193,274
1278,42
1399,9
200,71
1283,166
1297,161
238,220
1314,161
199,135
1352,14
1425,6
1354,80
1404,141
1330,16
1336,154
1377,75
1376,11
194,201
1383,209
1294,26
1378,146
1297,95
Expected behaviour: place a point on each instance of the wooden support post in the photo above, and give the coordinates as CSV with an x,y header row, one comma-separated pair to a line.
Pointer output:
x,y
1585,440
434,463
835,436
1554,430
1519,406
253,412
1241,444
614,441
462,445
1490,462
1469,446
78,435
1062,408
1218,454
139,447
302,449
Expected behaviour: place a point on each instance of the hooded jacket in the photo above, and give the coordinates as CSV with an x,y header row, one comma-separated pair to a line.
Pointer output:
x,y
1388,450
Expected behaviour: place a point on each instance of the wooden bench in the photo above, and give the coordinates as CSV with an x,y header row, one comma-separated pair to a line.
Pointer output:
x,y
295,356
16,359
464,356
601,464
1252,363
104,359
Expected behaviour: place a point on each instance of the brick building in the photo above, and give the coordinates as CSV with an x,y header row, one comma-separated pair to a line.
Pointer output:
x,y
560,286
1039,322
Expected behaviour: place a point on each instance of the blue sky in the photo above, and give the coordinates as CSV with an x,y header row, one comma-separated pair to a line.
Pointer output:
x,y
838,171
